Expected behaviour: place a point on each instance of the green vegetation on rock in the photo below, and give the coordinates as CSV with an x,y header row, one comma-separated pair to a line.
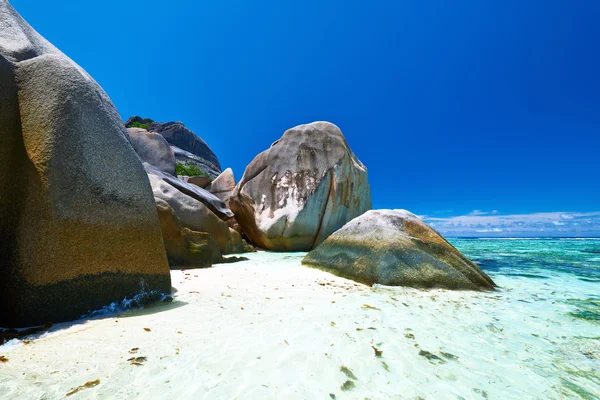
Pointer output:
x,y
189,170
138,125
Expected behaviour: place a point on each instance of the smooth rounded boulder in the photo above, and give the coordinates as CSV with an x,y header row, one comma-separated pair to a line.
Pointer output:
x,y
396,248
223,185
79,228
152,148
307,185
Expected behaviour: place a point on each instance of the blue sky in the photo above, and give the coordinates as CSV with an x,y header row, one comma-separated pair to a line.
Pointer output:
x,y
457,108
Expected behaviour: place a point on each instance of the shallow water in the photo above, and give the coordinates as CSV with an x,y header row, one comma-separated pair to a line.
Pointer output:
x,y
270,328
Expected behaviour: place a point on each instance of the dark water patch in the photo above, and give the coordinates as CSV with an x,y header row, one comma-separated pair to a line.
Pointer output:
x,y
572,387
591,251
589,279
587,315
525,275
585,309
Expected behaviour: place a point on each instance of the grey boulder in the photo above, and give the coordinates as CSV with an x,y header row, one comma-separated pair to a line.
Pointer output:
x,y
78,223
188,147
152,148
307,185
396,248
223,185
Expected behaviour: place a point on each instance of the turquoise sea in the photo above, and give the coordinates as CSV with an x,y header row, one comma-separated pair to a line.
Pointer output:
x,y
563,276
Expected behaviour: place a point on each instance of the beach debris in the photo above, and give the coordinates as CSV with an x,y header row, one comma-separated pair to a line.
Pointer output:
x,y
449,356
3,359
430,356
359,329
409,335
483,393
378,352
134,350
348,385
147,329
385,366
137,360
179,333
372,328
370,307
348,372
86,385
332,323
332,396
286,342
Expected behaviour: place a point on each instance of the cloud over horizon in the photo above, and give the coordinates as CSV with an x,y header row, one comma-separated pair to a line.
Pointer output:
x,y
480,223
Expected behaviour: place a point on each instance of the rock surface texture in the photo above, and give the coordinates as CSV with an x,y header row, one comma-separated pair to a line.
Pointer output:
x,y
307,185
223,185
188,147
76,232
152,148
193,222
396,248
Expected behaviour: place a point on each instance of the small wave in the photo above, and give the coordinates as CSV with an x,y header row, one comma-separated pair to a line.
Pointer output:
x,y
140,300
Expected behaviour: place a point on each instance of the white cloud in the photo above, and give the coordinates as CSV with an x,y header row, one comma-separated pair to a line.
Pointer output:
x,y
478,212
534,224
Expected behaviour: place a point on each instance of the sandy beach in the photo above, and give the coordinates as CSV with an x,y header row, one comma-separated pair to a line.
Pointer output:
x,y
269,328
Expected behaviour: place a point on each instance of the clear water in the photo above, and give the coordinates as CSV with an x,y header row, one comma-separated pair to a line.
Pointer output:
x,y
563,277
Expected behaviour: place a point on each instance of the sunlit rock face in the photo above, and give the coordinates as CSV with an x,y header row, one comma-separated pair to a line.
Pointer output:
x,y
152,148
304,187
396,248
78,224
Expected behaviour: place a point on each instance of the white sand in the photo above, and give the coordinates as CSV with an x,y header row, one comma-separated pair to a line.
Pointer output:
x,y
270,328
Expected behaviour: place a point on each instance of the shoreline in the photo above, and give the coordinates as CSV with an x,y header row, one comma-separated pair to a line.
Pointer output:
x,y
271,328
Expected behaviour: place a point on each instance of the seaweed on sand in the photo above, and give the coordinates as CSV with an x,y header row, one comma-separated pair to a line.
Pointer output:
x,y
348,372
86,385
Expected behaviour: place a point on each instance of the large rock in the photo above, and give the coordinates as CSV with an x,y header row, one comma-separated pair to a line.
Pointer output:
x,y
192,219
187,158
396,248
212,202
223,185
152,148
185,247
304,187
177,134
76,231
188,147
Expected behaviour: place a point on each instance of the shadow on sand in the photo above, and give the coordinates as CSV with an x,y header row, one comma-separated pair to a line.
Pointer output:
x,y
123,309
